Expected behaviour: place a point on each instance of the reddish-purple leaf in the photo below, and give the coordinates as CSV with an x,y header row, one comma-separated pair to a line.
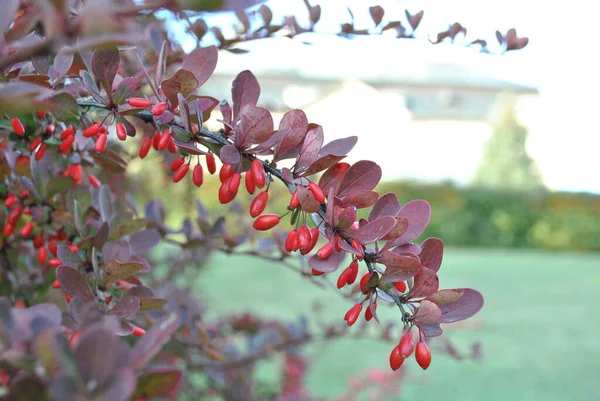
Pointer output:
x,y
399,229
73,282
328,265
63,62
398,267
256,126
310,149
9,9
321,164
266,14
418,213
430,330
120,387
114,270
206,104
362,176
243,17
360,199
157,382
308,203
426,282
97,354
428,313
344,217
297,123
105,62
67,256
202,63
414,20
126,307
230,154
374,230
189,148
161,63
226,111
332,178
386,205
117,250
463,308
149,345
244,90
265,148
183,82
432,251
377,13
144,240
339,147
126,88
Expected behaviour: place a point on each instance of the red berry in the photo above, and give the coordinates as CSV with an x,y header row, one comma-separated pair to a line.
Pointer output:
x,y
325,251
68,298
259,203
41,114
295,200
210,163
353,272
224,195
15,215
164,140
343,278
121,131
139,102
359,249
364,281
159,108
56,284
171,147
35,142
101,143
369,312
54,263
38,241
396,359
91,130
249,181
67,132
50,129
65,146
77,173
17,126
145,148
41,255
317,272
41,152
406,345
138,331
314,235
10,200
198,175
177,163
423,355
26,229
258,173
181,172
74,336
353,314
52,247
317,192
304,238
155,140
291,241
336,243
74,248
234,183
8,229
266,222
225,172
400,286
94,181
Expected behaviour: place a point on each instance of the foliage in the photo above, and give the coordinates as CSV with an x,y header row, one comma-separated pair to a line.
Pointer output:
x,y
73,98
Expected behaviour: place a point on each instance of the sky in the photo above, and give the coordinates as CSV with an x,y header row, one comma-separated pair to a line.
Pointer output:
x,y
560,61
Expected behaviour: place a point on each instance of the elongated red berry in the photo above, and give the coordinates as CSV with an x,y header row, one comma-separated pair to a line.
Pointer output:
x,y
65,146
35,142
369,312
396,359
54,262
18,126
77,173
294,200
177,163
41,151
41,255
139,102
400,286
159,108
259,203
224,195
53,247
67,132
121,131
171,147
249,181
10,200
26,229
225,172
353,314
68,298
40,114
317,192
343,278
181,172
364,281
74,339
92,130
101,143
304,238
258,173
406,345
314,238
359,249
94,181
198,175
291,241
266,222
423,355
38,241
56,284
155,140
316,272
325,251
210,163
138,331
353,267
165,138
8,229
15,214
234,183
145,148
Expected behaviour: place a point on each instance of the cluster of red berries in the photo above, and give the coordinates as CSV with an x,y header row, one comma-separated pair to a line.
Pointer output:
x,y
405,348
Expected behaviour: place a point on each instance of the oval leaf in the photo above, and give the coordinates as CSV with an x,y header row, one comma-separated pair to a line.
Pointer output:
x,y
230,155
386,205
426,282
73,282
332,178
114,270
105,62
152,342
432,250
309,152
418,213
244,90
157,382
398,267
126,307
373,230
463,308
428,313
183,82
328,265
256,126
297,123
362,176
202,63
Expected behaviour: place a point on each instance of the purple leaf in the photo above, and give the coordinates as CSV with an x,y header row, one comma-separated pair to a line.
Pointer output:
x,y
377,13
467,305
202,63
297,123
344,217
230,154
332,178
97,354
426,282
398,267
428,313
161,63
398,230
256,126
266,14
73,282
114,270
226,111
206,104
374,230
362,176
432,250
265,147
321,164
67,257
386,205
361,199
117,250
144,240
79,308
157,382
331,153
183,82
184,113
153,341
414,20
126,88
328,265
244,90
310,149
189,148
307,200
119,388
105,62
9,9
126,307
430,330
418,213
62,62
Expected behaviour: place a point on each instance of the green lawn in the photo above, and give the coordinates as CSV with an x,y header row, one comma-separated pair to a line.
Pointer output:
x,y
539,327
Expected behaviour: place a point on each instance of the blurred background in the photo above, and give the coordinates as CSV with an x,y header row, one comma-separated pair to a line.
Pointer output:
x,y
504,147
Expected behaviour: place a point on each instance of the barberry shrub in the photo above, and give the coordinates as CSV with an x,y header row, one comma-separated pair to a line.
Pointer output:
x,y
82,316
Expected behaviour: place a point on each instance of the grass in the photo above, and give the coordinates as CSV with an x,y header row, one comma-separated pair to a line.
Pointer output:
x,y
539,327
